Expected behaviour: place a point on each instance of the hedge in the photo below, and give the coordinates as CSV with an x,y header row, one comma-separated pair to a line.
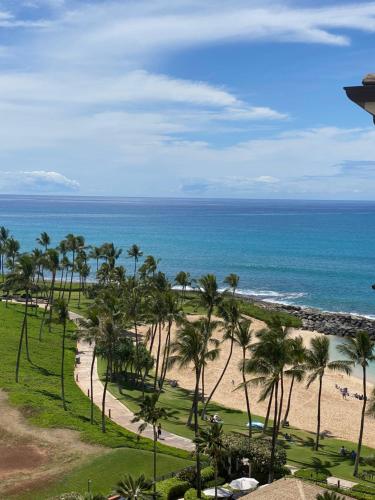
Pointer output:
x,y
191,494
172,488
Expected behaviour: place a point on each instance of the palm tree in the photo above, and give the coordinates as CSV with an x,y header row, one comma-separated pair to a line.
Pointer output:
x,y
189,348
242,337
89,331
73,244
12,248
360,351
329,495
297,370
108,335
183,280
150,414
209,298
21,278
230,313
96,253
232,281
44,240
52,263
134,488
61,308
4,235
135,253
317,362
210,443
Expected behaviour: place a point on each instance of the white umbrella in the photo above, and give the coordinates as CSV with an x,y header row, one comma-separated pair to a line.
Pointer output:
x,y
221,492
244,483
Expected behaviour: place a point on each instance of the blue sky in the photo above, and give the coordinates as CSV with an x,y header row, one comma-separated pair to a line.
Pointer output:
x,y
239,98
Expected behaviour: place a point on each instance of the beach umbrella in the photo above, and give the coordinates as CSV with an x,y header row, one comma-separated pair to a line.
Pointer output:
x,y
255,425
244,483
221,492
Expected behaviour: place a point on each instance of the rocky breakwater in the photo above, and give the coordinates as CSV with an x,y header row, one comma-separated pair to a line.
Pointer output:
x,y
342,325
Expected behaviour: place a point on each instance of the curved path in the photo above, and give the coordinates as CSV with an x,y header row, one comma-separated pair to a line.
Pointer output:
x,y
119,412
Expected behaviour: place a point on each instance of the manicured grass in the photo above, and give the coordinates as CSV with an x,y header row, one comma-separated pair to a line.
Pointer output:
x,y
104,472
38,392
299,453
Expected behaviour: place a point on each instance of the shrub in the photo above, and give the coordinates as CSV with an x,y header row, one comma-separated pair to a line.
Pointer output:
x,y
191,494
211,483
258,451
172,488
207,474
312,474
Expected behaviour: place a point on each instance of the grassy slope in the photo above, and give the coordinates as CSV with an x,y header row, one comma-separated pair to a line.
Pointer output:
x,y
38,393
299,453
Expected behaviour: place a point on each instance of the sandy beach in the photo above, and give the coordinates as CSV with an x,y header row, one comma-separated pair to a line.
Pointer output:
x,y
340,417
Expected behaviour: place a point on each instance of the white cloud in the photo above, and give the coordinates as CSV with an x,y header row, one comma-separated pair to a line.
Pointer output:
x,y
37,181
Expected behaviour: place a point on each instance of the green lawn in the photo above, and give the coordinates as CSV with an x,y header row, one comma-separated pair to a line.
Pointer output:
x,y
38,392
299,452
104,472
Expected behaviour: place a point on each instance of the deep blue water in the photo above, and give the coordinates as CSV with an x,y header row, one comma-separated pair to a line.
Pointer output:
x,y
312,253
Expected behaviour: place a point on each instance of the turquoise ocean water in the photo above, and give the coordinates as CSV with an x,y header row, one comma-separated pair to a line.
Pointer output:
x,y
311,253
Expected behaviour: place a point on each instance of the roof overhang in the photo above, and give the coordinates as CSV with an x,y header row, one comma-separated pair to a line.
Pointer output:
x,y
363,96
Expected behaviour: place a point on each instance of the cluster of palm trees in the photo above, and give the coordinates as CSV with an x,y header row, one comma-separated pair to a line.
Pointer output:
x,y
122,303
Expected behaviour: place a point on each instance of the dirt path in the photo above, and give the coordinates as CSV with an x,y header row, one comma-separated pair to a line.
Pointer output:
x,y
31,456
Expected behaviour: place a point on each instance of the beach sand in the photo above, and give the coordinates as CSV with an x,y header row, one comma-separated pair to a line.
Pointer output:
x,y
339,417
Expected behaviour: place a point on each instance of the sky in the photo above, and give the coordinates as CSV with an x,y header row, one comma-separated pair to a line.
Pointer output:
x,y
184,98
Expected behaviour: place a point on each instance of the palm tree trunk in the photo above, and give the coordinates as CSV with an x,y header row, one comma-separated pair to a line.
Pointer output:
x,y
268,410
20,344
62,367
26,327
202,384
50,301
289,400
216,479
318,416
92,385
154,483
246,393
157,358
358,456
164,366
281,400
105,392
71,278
196,432
274,436
220,378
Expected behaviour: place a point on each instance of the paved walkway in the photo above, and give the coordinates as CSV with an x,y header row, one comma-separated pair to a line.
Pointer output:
x,y
343,483
119,412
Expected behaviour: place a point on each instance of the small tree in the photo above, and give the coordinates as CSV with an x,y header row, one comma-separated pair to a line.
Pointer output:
x,y
134,488
61,308
150,414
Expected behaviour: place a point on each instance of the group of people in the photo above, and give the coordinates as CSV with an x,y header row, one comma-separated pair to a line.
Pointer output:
x,y
345,393
345,453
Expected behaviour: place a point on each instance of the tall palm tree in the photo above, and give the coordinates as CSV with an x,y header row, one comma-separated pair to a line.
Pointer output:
x,y
183,280
96,253
210,443
21,278
12,249
135,253
296,372
242,336
232,280
360,350
189,348
88,329
44,240
108,335
317,362
73,244
209,297
62,312
150,414
134,488
52,263
4,235
230,313
269,356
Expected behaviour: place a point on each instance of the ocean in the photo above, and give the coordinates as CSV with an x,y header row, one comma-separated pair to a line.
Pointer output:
x,y
308,253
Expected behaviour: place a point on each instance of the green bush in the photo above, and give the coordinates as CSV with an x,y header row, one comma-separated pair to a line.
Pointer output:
x,y
172,488
311,474
207,474
188,474
211,483
191,494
